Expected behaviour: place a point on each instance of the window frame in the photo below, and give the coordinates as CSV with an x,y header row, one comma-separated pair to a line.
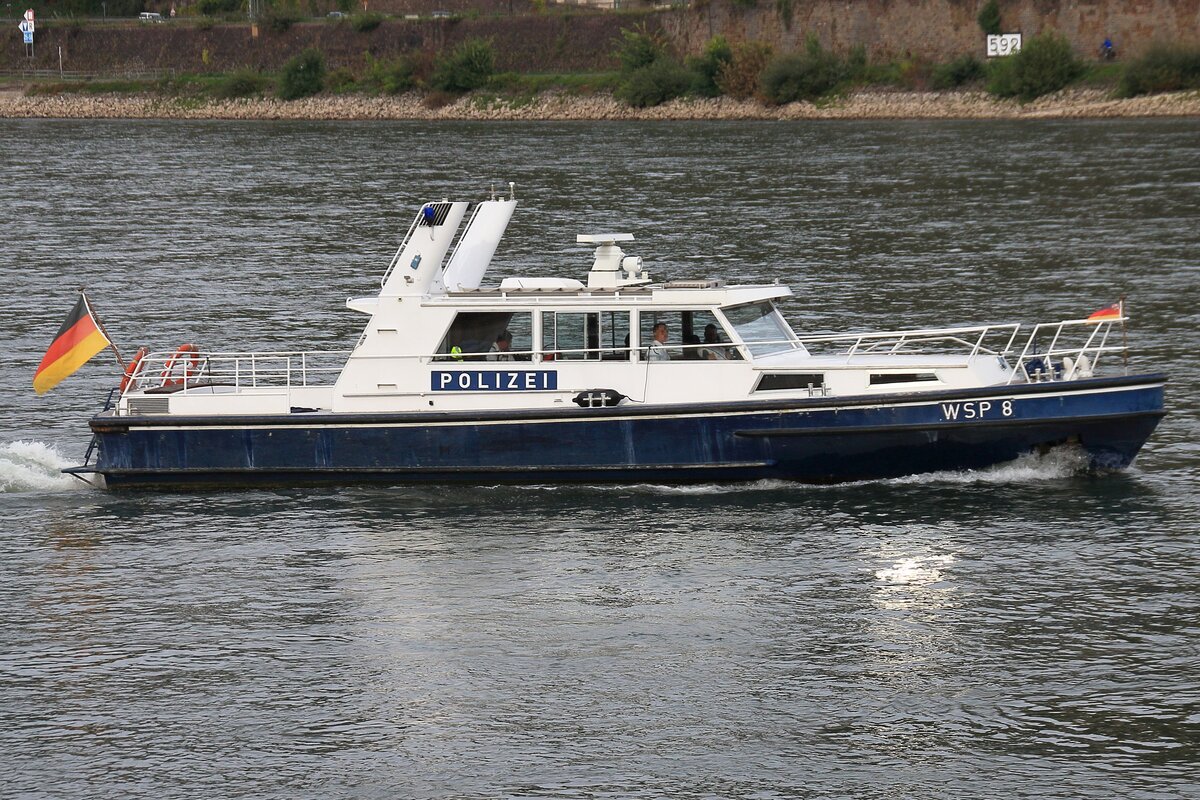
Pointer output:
x,y
442,352
787,343
605,322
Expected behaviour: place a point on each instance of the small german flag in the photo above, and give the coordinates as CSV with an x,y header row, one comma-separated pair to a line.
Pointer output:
x,y
1115,311
77,341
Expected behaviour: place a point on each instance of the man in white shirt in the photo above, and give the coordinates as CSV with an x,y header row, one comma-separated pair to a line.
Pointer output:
x,y
657,351
500,350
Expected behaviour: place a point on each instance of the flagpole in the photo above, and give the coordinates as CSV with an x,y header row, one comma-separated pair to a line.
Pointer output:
x,y
100,325
1124,336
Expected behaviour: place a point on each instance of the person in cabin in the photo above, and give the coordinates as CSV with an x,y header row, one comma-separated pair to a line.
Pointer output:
x,y
657,351
712,337
501,348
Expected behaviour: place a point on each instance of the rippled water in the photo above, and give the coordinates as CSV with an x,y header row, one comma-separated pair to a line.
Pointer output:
x,y
1028,631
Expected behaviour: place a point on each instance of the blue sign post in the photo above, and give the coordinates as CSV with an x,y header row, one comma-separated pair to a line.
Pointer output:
x,y
26,27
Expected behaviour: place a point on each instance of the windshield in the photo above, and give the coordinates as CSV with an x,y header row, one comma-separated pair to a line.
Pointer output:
x,y
761,327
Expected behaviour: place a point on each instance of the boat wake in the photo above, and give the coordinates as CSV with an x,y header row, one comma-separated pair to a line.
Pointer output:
x,y
33,467
1059,463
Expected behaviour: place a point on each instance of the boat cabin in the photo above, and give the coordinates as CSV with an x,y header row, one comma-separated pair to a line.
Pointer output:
x,y
439,338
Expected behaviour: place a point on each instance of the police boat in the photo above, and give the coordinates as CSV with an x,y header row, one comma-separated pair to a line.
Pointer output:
x,y
618,378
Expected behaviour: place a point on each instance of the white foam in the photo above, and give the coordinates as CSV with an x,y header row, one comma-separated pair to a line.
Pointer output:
x,y
1061,462
705,488
33,467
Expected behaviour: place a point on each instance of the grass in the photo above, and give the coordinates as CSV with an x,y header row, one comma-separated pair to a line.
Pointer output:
x,y
513,88
92,87
516,84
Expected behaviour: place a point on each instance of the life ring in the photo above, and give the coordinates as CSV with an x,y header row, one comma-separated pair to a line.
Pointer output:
x,y
187,356
136,365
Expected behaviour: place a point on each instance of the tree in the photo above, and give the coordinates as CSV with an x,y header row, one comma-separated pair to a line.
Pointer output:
x,y
989,18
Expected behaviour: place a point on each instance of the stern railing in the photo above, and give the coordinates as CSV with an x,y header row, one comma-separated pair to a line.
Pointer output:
x,y
1075,349
175,371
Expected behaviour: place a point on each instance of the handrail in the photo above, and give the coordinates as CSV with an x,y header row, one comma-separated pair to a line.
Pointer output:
x,y
288,369
240,369
896,341
1068,368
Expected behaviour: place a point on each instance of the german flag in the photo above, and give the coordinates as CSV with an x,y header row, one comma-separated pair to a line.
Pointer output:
x,y
1115,311
78,340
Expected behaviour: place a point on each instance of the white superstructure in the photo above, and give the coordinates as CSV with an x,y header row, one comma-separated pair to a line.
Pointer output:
x,y
439,338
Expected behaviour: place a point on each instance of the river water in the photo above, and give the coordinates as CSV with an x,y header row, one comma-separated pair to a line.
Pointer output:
x,y
1028,631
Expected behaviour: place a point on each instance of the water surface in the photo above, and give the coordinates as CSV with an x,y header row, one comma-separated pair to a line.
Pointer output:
x,y
1028,631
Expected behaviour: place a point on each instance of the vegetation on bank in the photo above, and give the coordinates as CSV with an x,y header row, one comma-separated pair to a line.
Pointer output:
x,y
650,73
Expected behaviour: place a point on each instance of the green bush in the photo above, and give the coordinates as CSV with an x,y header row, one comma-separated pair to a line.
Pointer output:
x,y
638,48
962,70
650,76
656,83
858,67
786,12
740,77
340,80
365,23
243,83
390,77
989,18
303,75
465,68
803,76
707,66
1163,68
215,8
1045,64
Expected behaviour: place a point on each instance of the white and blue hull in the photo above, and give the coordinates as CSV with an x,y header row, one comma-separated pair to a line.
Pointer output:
x,y
816,440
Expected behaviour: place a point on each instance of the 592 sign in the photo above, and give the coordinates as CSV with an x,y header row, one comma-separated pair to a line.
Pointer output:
x,y
1003,44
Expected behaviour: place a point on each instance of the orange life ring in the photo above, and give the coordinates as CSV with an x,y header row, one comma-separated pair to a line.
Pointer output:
x,y
136,365
190,364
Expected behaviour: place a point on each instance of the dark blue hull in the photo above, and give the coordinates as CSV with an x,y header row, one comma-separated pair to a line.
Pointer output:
x,y
818,440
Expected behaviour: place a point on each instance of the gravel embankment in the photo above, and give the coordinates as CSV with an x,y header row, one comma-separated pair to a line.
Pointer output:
x,y
1082,103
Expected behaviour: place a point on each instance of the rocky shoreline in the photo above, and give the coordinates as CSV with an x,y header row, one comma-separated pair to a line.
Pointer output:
x,y
1074,103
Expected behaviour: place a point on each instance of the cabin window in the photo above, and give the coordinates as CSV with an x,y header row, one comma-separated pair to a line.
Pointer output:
x,y
761,326
790,380
591,336
882,379
488,336
695,335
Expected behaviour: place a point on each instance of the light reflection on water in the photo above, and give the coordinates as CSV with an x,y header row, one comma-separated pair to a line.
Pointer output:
x,y
1021,631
